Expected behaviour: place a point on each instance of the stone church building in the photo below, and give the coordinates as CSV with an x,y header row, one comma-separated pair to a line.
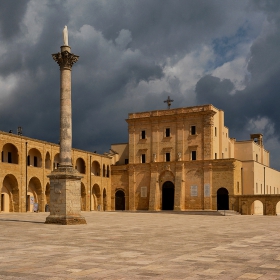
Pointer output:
x,y
176,159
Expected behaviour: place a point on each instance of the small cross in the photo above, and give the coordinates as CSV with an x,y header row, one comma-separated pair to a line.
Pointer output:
x,y
168,101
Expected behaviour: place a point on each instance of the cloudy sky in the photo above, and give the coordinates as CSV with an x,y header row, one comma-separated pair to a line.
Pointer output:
x,y
133,54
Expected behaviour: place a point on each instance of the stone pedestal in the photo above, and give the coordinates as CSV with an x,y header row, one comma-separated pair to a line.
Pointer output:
x,y
65,197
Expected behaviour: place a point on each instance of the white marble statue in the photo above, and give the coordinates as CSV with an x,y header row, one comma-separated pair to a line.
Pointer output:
x,y
65,36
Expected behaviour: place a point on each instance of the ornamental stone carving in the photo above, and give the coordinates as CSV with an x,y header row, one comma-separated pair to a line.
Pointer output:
x,y
65,59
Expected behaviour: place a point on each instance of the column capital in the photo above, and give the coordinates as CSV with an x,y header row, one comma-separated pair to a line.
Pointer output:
x,y
65,59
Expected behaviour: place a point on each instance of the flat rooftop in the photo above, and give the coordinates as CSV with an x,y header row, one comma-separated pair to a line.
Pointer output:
x,y
142,245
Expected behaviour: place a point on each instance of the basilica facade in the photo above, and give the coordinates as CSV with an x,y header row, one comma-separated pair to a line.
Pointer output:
x,y
176,159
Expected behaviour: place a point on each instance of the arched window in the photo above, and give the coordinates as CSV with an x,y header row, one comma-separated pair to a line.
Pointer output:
x,y
95,168
81,166
34,158
108,172
56,161
48,161
104,171
9,153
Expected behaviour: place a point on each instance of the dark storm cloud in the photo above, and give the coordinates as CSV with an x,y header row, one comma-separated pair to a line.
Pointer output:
x,y
161,27
11,14
124,47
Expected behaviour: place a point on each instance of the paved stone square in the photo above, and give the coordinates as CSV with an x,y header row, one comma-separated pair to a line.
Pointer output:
x,y
142,245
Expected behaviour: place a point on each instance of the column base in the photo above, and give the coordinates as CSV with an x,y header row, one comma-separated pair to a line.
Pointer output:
x,y
65,220
65,195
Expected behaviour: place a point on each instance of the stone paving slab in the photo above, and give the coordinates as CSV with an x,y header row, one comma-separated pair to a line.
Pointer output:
x,y
142,245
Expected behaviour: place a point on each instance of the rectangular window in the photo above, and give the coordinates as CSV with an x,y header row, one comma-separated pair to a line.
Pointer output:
x,y
143,158
143,134
215,155
193,130
193,155
167,132
126,161
222,155
28,160
35,162
2,156
215,131
167,157
143,191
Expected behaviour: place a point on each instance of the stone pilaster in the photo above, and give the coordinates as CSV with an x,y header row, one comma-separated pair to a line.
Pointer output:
x,y
206,192
131,188
208,135
179,194
154,188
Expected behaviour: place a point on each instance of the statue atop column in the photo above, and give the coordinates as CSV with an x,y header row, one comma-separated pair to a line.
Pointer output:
x,y
65,36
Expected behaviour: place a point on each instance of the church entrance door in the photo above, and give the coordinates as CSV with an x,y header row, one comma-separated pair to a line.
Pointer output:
x,y
168,196
119,200
222,199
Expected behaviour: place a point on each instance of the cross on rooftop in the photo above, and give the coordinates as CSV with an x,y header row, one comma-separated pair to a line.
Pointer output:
x,y
168,101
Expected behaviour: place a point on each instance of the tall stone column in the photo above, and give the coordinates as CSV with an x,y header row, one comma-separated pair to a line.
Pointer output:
x,y
65,181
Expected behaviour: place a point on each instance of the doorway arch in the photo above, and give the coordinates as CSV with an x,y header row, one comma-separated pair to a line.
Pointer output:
x,y
222,199
168,196
120,200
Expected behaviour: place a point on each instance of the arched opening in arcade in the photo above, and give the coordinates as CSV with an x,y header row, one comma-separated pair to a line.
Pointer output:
x,y
120,200
168,190
56,161
48,161
81,166
34,195
95,168
34,158
278,208
96,197
10,194
108,171
257,208
83,197
9,153
104,200
222,199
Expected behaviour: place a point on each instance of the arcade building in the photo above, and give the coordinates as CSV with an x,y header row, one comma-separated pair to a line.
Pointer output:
x,y
176,159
